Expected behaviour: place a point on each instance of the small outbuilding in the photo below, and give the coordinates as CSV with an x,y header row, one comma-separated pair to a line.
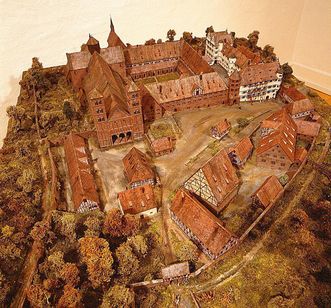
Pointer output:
x,y
162,146
138,169
176,271
307,130
139,200
241,152
221,129
267,192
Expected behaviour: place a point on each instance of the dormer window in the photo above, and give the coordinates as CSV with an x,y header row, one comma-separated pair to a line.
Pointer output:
x,y
197,91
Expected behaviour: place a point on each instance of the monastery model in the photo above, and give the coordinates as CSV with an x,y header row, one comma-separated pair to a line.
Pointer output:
x,y
156,160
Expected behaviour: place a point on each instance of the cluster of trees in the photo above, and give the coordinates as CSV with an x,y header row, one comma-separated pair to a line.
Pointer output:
x,y
20,199
89,258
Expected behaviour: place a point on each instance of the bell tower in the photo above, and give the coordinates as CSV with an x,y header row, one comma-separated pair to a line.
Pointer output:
x,y
234,88
93,45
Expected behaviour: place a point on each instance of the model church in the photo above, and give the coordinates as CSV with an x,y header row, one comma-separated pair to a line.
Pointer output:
x,y
110,82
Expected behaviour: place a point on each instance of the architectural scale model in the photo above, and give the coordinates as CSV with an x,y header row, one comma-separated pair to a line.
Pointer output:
x,y
181,173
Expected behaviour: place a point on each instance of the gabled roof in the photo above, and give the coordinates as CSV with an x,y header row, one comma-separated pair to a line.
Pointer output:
x,y
259,73
162,144
113,39
292,92
243,148
102,79
81,59
176,270
303,105
300,154
221,37
137,166
269,190
147,53
173,90
243,55
307,128
137,200
222,126
208,229
80,176
284,135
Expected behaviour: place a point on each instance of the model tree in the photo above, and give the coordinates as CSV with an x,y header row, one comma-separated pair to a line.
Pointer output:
x,y
287,71
118,296
171,35
209,29
95,253
71,298
128,261
268,53
187,36
68,111
253,38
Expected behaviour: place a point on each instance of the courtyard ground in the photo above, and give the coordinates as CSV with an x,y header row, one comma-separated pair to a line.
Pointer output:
x,y
194,147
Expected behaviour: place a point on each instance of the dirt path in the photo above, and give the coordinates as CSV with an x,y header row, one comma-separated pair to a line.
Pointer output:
x,y
235,269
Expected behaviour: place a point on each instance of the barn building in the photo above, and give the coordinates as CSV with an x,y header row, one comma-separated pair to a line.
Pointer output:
x,y
276,149
216,183
200,225
84,192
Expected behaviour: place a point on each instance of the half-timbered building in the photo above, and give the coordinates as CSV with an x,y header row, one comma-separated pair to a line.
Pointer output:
x,y
216,183
138,169
200,225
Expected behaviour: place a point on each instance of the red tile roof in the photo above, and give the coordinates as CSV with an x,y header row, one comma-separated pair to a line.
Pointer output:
x,y
137,166
223,126
162,144
243,148
103,81
300,154
259,73
307,128
81,59
221,175
293,93
137,200
269,190
284,136
300,106
204,225
173,90
80,176
244,56
221,37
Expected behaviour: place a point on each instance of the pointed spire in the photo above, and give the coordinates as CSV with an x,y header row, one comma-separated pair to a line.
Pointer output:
x,y
112,28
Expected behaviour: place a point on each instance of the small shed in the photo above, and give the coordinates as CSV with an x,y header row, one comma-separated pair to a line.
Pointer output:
x,y
162,146
221,129
176,271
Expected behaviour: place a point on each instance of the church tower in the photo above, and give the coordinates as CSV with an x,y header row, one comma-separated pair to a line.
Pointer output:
x,y
233,88
93,45
113,39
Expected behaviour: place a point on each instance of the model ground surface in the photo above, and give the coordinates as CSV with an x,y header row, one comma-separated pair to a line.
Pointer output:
x,y
55,253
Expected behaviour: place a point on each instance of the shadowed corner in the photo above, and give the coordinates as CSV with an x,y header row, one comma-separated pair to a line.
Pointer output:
x,y
10,99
